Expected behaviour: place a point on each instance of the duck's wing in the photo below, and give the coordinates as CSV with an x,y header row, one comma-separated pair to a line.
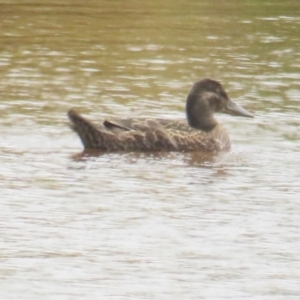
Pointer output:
x,y
132,124
148,134
145,124
113,126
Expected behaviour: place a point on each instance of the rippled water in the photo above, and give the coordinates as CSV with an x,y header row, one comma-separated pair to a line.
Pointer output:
x,y
148,226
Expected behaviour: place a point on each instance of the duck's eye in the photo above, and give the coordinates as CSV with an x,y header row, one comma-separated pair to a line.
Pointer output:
x,y
221,93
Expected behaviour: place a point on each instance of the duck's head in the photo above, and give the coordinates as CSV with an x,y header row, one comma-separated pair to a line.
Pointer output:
x,y
205,98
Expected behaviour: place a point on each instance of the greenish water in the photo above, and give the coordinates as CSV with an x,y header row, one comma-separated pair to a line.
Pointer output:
x,y
148,226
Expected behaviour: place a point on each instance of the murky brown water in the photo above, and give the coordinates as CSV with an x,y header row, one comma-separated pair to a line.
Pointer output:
x,y
148,226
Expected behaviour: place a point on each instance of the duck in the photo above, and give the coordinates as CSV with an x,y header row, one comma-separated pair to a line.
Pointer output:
x,y
200,131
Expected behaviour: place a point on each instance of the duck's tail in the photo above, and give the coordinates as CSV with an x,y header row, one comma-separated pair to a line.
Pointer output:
x,y
91,137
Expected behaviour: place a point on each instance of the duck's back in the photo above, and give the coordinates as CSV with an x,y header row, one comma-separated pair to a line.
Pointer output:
x,y
144,124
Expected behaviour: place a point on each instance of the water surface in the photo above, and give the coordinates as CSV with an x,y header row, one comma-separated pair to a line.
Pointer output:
x,y
148,226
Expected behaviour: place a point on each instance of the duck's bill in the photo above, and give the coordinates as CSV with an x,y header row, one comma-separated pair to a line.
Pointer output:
x,y
234,109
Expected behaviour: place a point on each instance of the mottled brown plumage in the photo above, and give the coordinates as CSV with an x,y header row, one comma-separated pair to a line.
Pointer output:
x,y
200,132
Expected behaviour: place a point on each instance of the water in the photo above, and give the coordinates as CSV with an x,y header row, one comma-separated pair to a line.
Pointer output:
x,y
148,226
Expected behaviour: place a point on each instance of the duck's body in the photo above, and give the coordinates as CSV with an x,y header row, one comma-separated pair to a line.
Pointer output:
x,y
143,135
200,132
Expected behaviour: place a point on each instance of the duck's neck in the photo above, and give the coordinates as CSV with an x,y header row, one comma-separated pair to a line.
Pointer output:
x,y
199,114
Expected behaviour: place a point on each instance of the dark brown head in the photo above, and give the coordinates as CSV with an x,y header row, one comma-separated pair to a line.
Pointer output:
x,y
205,98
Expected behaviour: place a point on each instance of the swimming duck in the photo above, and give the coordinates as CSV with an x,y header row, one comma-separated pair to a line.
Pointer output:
x,y
199,132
